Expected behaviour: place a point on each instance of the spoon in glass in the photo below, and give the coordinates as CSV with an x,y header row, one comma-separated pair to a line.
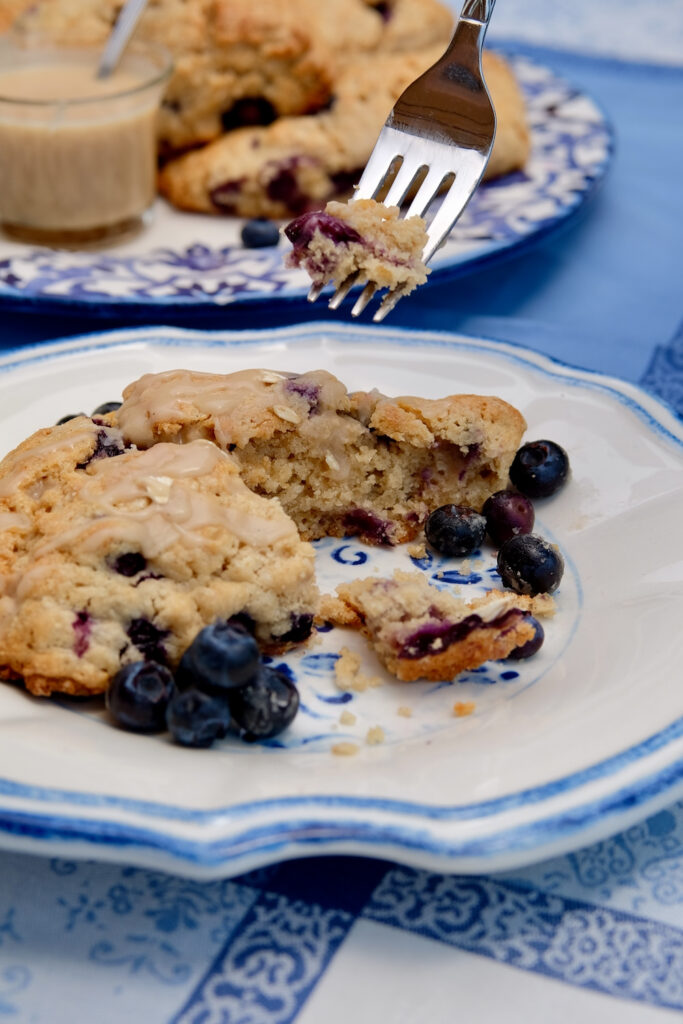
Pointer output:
x,y
120,37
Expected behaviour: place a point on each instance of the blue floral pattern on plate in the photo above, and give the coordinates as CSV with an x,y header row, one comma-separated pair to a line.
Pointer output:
x,y
571,147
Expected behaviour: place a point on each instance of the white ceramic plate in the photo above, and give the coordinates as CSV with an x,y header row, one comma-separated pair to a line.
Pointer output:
x,y
196,262
561,750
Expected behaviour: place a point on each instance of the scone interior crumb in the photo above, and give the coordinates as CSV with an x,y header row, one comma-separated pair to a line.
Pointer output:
x,y
361,237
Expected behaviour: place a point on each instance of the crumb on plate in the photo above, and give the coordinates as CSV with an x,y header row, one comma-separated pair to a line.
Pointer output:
x,y
345,749
375,736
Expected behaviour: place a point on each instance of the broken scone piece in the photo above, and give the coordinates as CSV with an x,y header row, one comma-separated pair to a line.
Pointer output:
x,y
420,632
341,463
364,239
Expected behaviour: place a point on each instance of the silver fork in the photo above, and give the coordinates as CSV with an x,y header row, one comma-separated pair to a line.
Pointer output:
x,y
442,127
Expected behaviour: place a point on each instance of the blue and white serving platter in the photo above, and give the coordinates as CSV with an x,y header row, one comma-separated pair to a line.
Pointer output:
x,y
196,262
559,751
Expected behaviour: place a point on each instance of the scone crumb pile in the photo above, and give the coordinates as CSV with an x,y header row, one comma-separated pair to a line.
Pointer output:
x,y
348,675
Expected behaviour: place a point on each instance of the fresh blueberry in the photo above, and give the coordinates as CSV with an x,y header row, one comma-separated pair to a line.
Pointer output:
x,y
106,407
530,648
507,515
539,469
196,719
69,416
260,234
264,707
528,564
220,658
455,530
139,695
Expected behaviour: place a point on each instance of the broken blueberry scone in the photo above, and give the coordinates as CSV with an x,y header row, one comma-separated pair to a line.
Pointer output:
x,y
110,555
421,632
364,239
341,463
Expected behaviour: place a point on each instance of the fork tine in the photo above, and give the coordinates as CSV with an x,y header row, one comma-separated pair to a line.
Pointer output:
x,y
426,192
343,290
390,300
467,177
314,292
364,298
402,182
390,144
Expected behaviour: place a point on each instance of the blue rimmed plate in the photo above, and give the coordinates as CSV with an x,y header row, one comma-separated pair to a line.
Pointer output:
x,y
196,262
559,751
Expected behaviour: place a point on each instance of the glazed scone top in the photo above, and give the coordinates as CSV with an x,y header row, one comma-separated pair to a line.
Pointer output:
x,y
236,408
140,500
239,407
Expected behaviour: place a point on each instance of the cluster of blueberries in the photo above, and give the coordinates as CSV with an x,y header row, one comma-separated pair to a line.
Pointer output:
x,y
527,563
221,685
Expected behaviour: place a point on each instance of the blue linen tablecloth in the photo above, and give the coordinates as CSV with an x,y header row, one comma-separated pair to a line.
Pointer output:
x,y
596,934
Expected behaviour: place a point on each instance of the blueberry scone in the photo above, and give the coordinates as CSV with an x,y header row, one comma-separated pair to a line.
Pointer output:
x,y
110,555
235,61
421,632
297,164
340,463
244,62
361,238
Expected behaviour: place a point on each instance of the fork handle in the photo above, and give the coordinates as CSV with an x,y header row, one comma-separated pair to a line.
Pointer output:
x,y
478,12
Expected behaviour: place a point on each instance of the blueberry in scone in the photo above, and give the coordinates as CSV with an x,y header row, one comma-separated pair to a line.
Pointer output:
x,y
340,463
110,556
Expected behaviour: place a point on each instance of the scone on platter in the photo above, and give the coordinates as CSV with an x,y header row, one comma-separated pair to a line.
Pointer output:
x,y
124,535
297,164
274,105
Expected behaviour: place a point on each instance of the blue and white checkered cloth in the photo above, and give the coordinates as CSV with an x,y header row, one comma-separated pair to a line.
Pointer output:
x,y
596,935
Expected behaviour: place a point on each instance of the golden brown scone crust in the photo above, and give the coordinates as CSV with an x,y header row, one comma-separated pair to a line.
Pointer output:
x,y
110,555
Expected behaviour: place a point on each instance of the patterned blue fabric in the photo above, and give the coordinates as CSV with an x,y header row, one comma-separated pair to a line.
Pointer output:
x,y
141,945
